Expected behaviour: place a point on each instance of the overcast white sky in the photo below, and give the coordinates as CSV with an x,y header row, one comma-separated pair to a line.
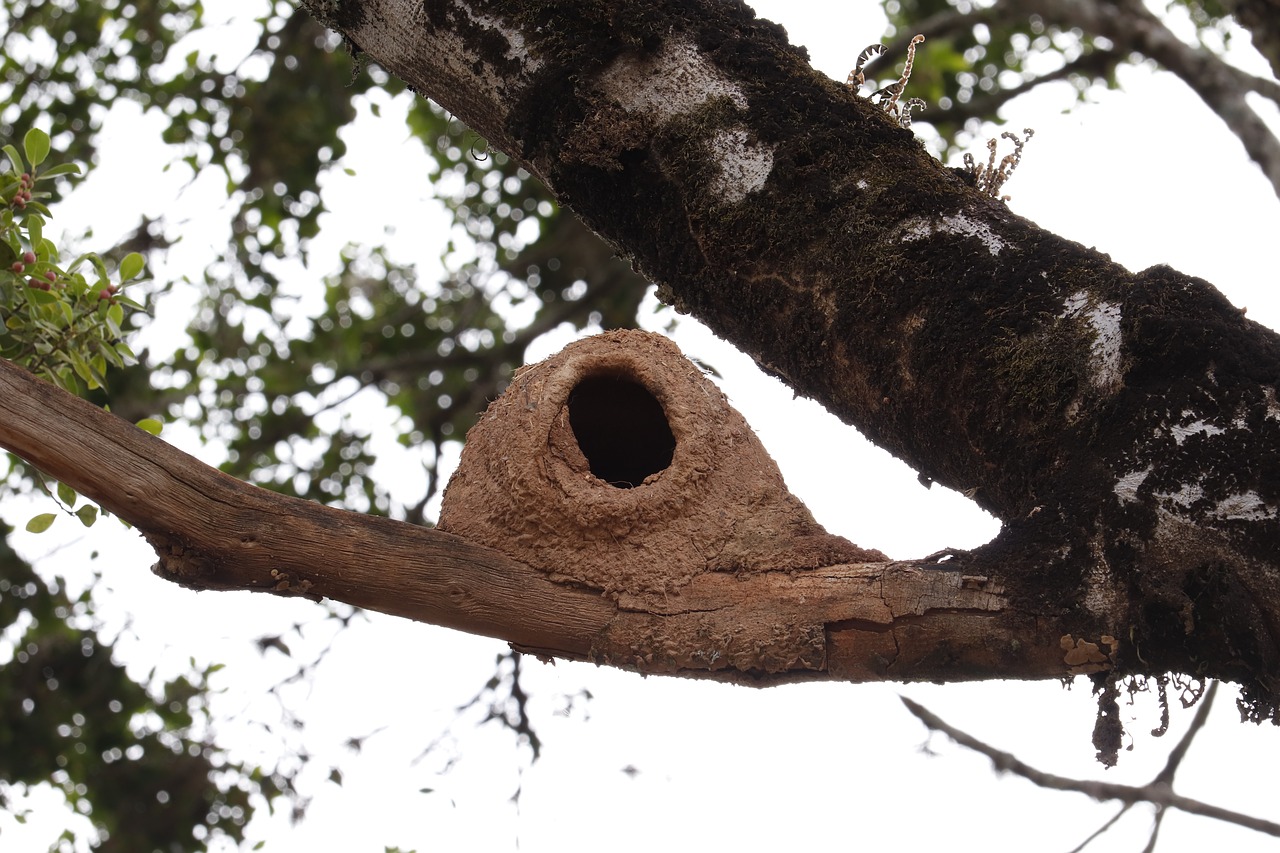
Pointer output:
x,y
1147,175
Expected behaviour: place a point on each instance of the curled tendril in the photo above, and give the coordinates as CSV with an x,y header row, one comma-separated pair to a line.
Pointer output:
x,y
907,106
856,77
989,178
889,97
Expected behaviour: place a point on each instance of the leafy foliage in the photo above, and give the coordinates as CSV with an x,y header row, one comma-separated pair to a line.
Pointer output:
x,y
139,760
54,321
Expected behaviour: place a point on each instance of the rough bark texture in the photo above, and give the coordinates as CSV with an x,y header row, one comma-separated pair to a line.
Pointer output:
x,y
1125,427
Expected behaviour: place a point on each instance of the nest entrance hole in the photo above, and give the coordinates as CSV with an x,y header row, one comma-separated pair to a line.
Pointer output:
x,y
621,429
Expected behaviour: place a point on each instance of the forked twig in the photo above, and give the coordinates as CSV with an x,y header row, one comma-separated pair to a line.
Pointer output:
x,y
1158,792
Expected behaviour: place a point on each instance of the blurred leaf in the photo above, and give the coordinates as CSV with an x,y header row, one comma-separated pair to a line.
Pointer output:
x,y
36,146
41,522
131,266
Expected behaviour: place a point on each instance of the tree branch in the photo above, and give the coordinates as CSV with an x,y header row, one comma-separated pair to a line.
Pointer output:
x,y
1221,86
938,25
212,531
1125,427
1262,19
1093,64
851,622
1157,792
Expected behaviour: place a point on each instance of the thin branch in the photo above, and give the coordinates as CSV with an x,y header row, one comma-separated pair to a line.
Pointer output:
x,y
1096,63
1221,86
939,25
1102,829
1157,792
1180,751
1166,775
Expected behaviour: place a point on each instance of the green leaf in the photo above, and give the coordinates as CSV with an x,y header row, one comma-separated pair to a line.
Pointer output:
x,y
14,157
67,495
131,266
81,367
150,425
58,170
41,522
87,514
36,146
35,229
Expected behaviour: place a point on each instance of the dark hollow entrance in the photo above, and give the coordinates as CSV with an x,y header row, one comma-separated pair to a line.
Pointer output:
x,y
621,429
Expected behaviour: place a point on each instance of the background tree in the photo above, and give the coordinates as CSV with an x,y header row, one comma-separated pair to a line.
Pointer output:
x,y
233,366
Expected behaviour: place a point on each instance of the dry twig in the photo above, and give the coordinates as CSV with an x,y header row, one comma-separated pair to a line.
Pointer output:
x,y
1158,792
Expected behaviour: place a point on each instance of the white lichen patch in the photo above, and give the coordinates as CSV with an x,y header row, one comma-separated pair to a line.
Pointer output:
x,y
1185,496
1181,432
676,81
516,48
1244,506
958,224
1126,487
1241,506
1104,319
744,168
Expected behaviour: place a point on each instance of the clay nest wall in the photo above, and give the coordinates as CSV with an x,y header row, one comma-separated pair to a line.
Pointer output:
x,y
617,465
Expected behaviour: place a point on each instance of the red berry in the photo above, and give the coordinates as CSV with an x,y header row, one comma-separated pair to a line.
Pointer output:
x,y
26,179
29,257
51,275
106,292
17,266
38,284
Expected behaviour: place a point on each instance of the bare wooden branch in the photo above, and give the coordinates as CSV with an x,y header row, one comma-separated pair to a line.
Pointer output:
x,y
1158,792
848,622
212,531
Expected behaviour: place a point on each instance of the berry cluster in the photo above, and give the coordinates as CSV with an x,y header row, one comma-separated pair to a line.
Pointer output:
x,y
38,280
64,324
23,195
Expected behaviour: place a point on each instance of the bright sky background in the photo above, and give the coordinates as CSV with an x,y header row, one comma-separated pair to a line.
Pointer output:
x,y
1147,175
